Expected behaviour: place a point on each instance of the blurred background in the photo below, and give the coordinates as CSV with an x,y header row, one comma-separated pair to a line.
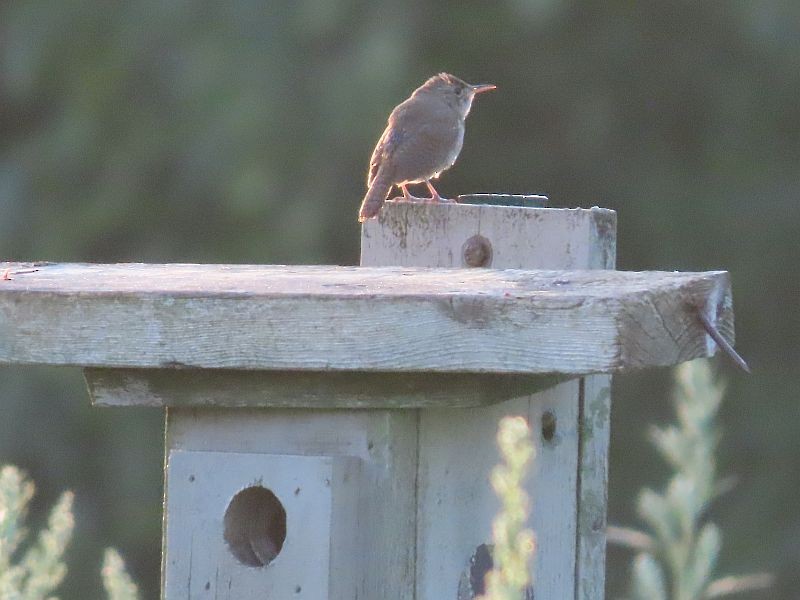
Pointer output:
x,y
154,130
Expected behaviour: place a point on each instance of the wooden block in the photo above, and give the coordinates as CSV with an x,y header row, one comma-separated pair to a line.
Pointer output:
x,y
309,389
433,235
358,319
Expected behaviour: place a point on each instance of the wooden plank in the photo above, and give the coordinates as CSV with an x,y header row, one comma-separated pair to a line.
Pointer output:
x,y
457,448
358,319
594,414
138,283
457,504
310,389
594,432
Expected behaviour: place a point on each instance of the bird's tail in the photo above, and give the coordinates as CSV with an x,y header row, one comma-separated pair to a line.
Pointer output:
x,y
376,195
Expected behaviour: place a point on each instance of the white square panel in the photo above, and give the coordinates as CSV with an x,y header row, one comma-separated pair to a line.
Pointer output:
x,y
200,486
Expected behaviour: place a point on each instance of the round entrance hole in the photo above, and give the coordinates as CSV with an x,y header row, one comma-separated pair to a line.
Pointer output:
x,y
255,526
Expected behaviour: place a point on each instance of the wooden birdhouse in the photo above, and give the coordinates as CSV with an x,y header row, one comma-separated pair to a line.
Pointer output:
x,y
330,430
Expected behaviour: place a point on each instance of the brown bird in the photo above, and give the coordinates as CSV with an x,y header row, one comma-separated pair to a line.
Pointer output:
x,y
423,138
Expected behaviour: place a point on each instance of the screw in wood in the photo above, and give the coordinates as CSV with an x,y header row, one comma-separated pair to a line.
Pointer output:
x,y
477,252
721,341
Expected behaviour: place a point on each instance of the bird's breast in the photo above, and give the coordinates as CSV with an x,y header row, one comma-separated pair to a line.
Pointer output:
x,y
428,149
456,149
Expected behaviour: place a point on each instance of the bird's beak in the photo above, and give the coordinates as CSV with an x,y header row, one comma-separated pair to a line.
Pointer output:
x,y
482,87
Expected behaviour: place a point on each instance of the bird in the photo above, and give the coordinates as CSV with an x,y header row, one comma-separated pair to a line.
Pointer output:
x,y
423,137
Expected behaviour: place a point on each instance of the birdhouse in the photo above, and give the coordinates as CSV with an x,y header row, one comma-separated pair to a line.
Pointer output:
x,y
330,430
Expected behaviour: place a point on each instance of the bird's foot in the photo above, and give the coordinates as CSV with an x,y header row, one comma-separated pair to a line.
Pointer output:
x,y
5,275
408,197
411,198
435,197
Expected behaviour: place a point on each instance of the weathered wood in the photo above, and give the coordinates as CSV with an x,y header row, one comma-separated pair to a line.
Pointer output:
x,y
457,448
439,232
594,415
379,549
320,558
359,319
399,499
307,389
457,504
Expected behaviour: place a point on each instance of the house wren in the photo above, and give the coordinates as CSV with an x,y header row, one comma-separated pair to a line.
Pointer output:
x,y
423,138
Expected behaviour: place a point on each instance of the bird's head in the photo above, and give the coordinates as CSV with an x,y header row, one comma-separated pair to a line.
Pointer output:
x,y
456,92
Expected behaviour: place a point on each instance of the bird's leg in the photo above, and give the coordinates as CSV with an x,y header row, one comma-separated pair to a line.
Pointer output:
x,y
435,197
5,275
393,199
407,196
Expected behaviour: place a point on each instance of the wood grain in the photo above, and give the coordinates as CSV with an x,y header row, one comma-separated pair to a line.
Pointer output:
x,y
307,389
356,318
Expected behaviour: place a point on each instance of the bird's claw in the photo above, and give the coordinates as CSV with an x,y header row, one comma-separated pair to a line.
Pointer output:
x,y
407,198
433,200
435,197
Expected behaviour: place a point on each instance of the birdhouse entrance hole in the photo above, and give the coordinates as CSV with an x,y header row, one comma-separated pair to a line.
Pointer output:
x,y
255,526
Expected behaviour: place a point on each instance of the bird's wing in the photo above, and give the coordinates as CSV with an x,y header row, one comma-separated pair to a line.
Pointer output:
x,y
388,143
414,129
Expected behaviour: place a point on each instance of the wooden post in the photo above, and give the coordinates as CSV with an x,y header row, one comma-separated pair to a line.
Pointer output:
x,y
457,447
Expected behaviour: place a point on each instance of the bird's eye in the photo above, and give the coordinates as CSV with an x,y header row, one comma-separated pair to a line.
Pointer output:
x,y
458,91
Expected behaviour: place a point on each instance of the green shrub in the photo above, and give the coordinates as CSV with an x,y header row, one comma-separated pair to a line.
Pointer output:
x,y
37,572
513,543
677,559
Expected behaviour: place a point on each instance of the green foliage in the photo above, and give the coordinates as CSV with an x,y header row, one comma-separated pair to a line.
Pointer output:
x,y
513,543
41,567
678,559
118,584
